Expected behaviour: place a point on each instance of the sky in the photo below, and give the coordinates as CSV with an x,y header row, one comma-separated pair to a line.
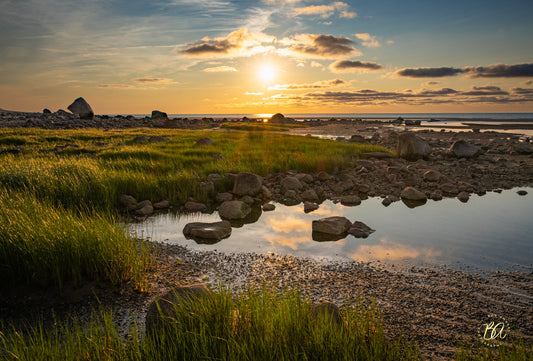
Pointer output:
x,y
267,56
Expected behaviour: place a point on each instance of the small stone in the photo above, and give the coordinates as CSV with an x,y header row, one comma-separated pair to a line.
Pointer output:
x,y
162,204
351,200
204,141
309,195
413,194
234,210
269,207
144,208
521,192
191,206
213,231
432,176
327,310
463,197
360,230
247,184
129,203
223,197
310,207
332,225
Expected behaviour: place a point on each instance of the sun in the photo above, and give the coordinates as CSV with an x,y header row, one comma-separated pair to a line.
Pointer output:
x,y
267,73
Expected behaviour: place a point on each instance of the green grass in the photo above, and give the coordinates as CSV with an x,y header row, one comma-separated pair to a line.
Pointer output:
x,y
46,245
251,326
516,349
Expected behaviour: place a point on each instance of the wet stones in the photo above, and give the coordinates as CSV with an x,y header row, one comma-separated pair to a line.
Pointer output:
x,y
412,194
290,183
128,203
350,200
332,225
360,230
144,208
232,210
200,231
432,176
310,207
268,207
192,206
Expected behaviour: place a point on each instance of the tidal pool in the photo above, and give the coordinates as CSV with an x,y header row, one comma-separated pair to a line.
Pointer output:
x,y
489,232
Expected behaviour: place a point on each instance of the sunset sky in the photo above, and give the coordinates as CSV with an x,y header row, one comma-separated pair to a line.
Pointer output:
x,y
267,56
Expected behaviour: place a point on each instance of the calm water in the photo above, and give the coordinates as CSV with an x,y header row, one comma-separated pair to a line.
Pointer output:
x,y
486,233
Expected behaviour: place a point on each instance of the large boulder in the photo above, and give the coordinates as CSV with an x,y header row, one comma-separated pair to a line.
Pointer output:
x,y
412,147
234,210
463,149
278,118
207,231
247,184
81,108
328,310
159,119
290,183
332,225
129,203
162,310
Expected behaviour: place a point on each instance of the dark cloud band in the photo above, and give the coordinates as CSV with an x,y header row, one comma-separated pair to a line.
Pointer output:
x,y
491,71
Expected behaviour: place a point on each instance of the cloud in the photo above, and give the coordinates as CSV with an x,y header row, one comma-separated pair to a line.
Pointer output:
x,y
368,40
116,86
152,80
431,83
319,45
220,69
238,43
523,91
326,11
348,66
501,71
491,71
315,85
253,93
428,72
316,64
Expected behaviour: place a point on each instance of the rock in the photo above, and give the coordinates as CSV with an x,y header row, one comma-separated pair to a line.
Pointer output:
x,y
310,206
306,178
323,176
248,200
523,148
449,189
224,196
360,230
81,108
436,195
389,200
279,118
266,193
269,207
463,197
332,225
247,184
290,183
157,139
521,192
413,194
327,310
162,205
162,310
309,195
356,138
140,139
350,200
205,141
462,149
233,210
431,176
412,147
207,231
144,208
158,115
377,155
46,111
191,206
128,202
208,187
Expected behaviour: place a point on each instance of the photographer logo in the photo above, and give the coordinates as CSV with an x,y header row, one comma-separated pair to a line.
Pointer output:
x,y
494,330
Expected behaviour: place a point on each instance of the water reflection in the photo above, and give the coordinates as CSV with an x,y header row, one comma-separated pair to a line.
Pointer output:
x,y
487,232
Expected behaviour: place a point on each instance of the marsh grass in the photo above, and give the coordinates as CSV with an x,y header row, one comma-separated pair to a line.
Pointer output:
x,y
47,245
516,349
251,326
261,127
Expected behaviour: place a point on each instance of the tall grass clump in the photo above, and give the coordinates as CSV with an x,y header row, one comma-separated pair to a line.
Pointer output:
x,y
47,245
250,326
516,349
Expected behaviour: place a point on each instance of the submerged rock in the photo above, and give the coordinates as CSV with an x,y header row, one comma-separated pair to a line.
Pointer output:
x,y
310,206
360,230
191,206
413,194
269,207
207,231
144,208
234,210
332,225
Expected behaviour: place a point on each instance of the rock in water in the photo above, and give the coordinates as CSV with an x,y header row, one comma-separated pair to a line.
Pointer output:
x,y
161,311
207,231
81,108
360,230
234,210
332,225
412,147
462,148
413,194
